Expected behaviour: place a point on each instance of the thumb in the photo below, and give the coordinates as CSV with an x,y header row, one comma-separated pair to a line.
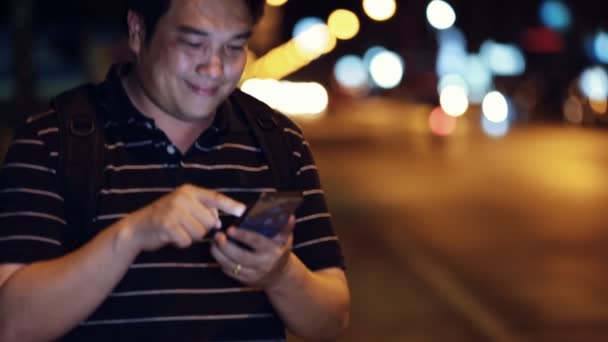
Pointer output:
x,y
287,231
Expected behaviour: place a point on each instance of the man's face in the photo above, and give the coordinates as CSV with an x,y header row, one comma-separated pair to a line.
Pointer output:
x,y
195,58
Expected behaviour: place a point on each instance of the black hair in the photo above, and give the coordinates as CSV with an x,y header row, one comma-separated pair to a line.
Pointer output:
x,y
152,10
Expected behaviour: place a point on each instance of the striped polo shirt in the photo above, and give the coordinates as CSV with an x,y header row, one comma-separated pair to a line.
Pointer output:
x,y
170,294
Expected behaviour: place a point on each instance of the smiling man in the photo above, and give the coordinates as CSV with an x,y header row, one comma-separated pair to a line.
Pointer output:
x,y
179,162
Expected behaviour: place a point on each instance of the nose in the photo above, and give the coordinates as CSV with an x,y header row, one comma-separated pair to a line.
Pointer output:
x,y
211,66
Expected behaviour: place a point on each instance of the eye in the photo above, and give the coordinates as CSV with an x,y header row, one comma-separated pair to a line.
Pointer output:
x,y
190,44
234,49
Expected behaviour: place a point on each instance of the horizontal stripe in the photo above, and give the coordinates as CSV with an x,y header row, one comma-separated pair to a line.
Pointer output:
x,y
306,143
32,191
54,154
313,217
313,192
176,319
173,265
225,167
39,116
294,132
27,142
33,214
308,168
138,167
48,131
315,242
182,292
244,190
226,146
297,154
110,217
135,191
128,145
28,166
30,238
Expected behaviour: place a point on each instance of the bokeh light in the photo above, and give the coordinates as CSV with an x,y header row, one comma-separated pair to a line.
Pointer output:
x,y
440,14
503,59
350,72
440,123
599,106
315,41
387,69
555,14
301,99
276,3
380,10
450,36
600,47
452,80
451,59
478,77
573,110
344,24
369,55
495,107
454,101
305,24
495,129
594,83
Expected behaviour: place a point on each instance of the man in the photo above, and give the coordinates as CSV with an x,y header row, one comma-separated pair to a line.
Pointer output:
x,y
178,163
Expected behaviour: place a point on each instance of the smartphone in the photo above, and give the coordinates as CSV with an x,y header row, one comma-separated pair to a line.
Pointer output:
x,y
270,212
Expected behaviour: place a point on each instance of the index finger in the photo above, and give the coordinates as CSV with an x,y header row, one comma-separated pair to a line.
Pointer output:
x,y
213,199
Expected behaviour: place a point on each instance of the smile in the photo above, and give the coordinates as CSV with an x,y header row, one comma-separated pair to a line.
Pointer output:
x,y
203,91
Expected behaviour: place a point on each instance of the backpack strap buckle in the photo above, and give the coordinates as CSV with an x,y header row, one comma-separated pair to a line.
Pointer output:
x,y
81,125
267,122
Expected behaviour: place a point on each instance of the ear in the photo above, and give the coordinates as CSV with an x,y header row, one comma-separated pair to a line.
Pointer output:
x,y
137,32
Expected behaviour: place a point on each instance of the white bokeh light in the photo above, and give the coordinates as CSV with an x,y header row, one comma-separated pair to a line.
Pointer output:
x,y
380,10
594,83
315,40
387,69
495,107
440,14
298,99
454,101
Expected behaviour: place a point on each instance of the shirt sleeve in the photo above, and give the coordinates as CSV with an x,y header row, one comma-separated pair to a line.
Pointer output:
x,y
315,241
32,222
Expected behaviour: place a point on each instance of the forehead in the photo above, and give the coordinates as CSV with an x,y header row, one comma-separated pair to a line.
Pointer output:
x,y
210,15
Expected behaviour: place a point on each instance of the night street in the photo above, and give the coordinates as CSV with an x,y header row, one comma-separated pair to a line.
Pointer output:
x,y
468,237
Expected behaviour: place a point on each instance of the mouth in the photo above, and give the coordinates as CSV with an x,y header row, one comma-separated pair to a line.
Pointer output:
x,y
206,91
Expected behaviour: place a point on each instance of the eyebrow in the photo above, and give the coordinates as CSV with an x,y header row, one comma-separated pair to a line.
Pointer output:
x,y
198,32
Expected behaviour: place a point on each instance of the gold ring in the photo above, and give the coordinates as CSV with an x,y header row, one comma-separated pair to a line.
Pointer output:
x,y
237,270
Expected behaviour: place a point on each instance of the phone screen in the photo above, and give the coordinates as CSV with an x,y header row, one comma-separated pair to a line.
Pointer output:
x,y
270,213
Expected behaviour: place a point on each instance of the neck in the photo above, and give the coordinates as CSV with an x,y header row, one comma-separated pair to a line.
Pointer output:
x,y
181,133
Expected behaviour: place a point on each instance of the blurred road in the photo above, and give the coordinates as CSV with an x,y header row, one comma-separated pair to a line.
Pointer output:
x,y
467,238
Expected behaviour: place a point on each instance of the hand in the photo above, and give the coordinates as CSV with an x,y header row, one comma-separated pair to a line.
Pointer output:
x,y
257,268
180,218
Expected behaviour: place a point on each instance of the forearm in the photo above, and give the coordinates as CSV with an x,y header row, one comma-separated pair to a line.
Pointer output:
x,y
312,304
60,293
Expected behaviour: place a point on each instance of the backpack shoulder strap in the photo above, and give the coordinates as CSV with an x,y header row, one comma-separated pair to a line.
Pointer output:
x,y
269,129
81,152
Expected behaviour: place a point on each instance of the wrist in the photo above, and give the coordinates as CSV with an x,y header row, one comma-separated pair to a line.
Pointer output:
x,y
125,240
292,274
